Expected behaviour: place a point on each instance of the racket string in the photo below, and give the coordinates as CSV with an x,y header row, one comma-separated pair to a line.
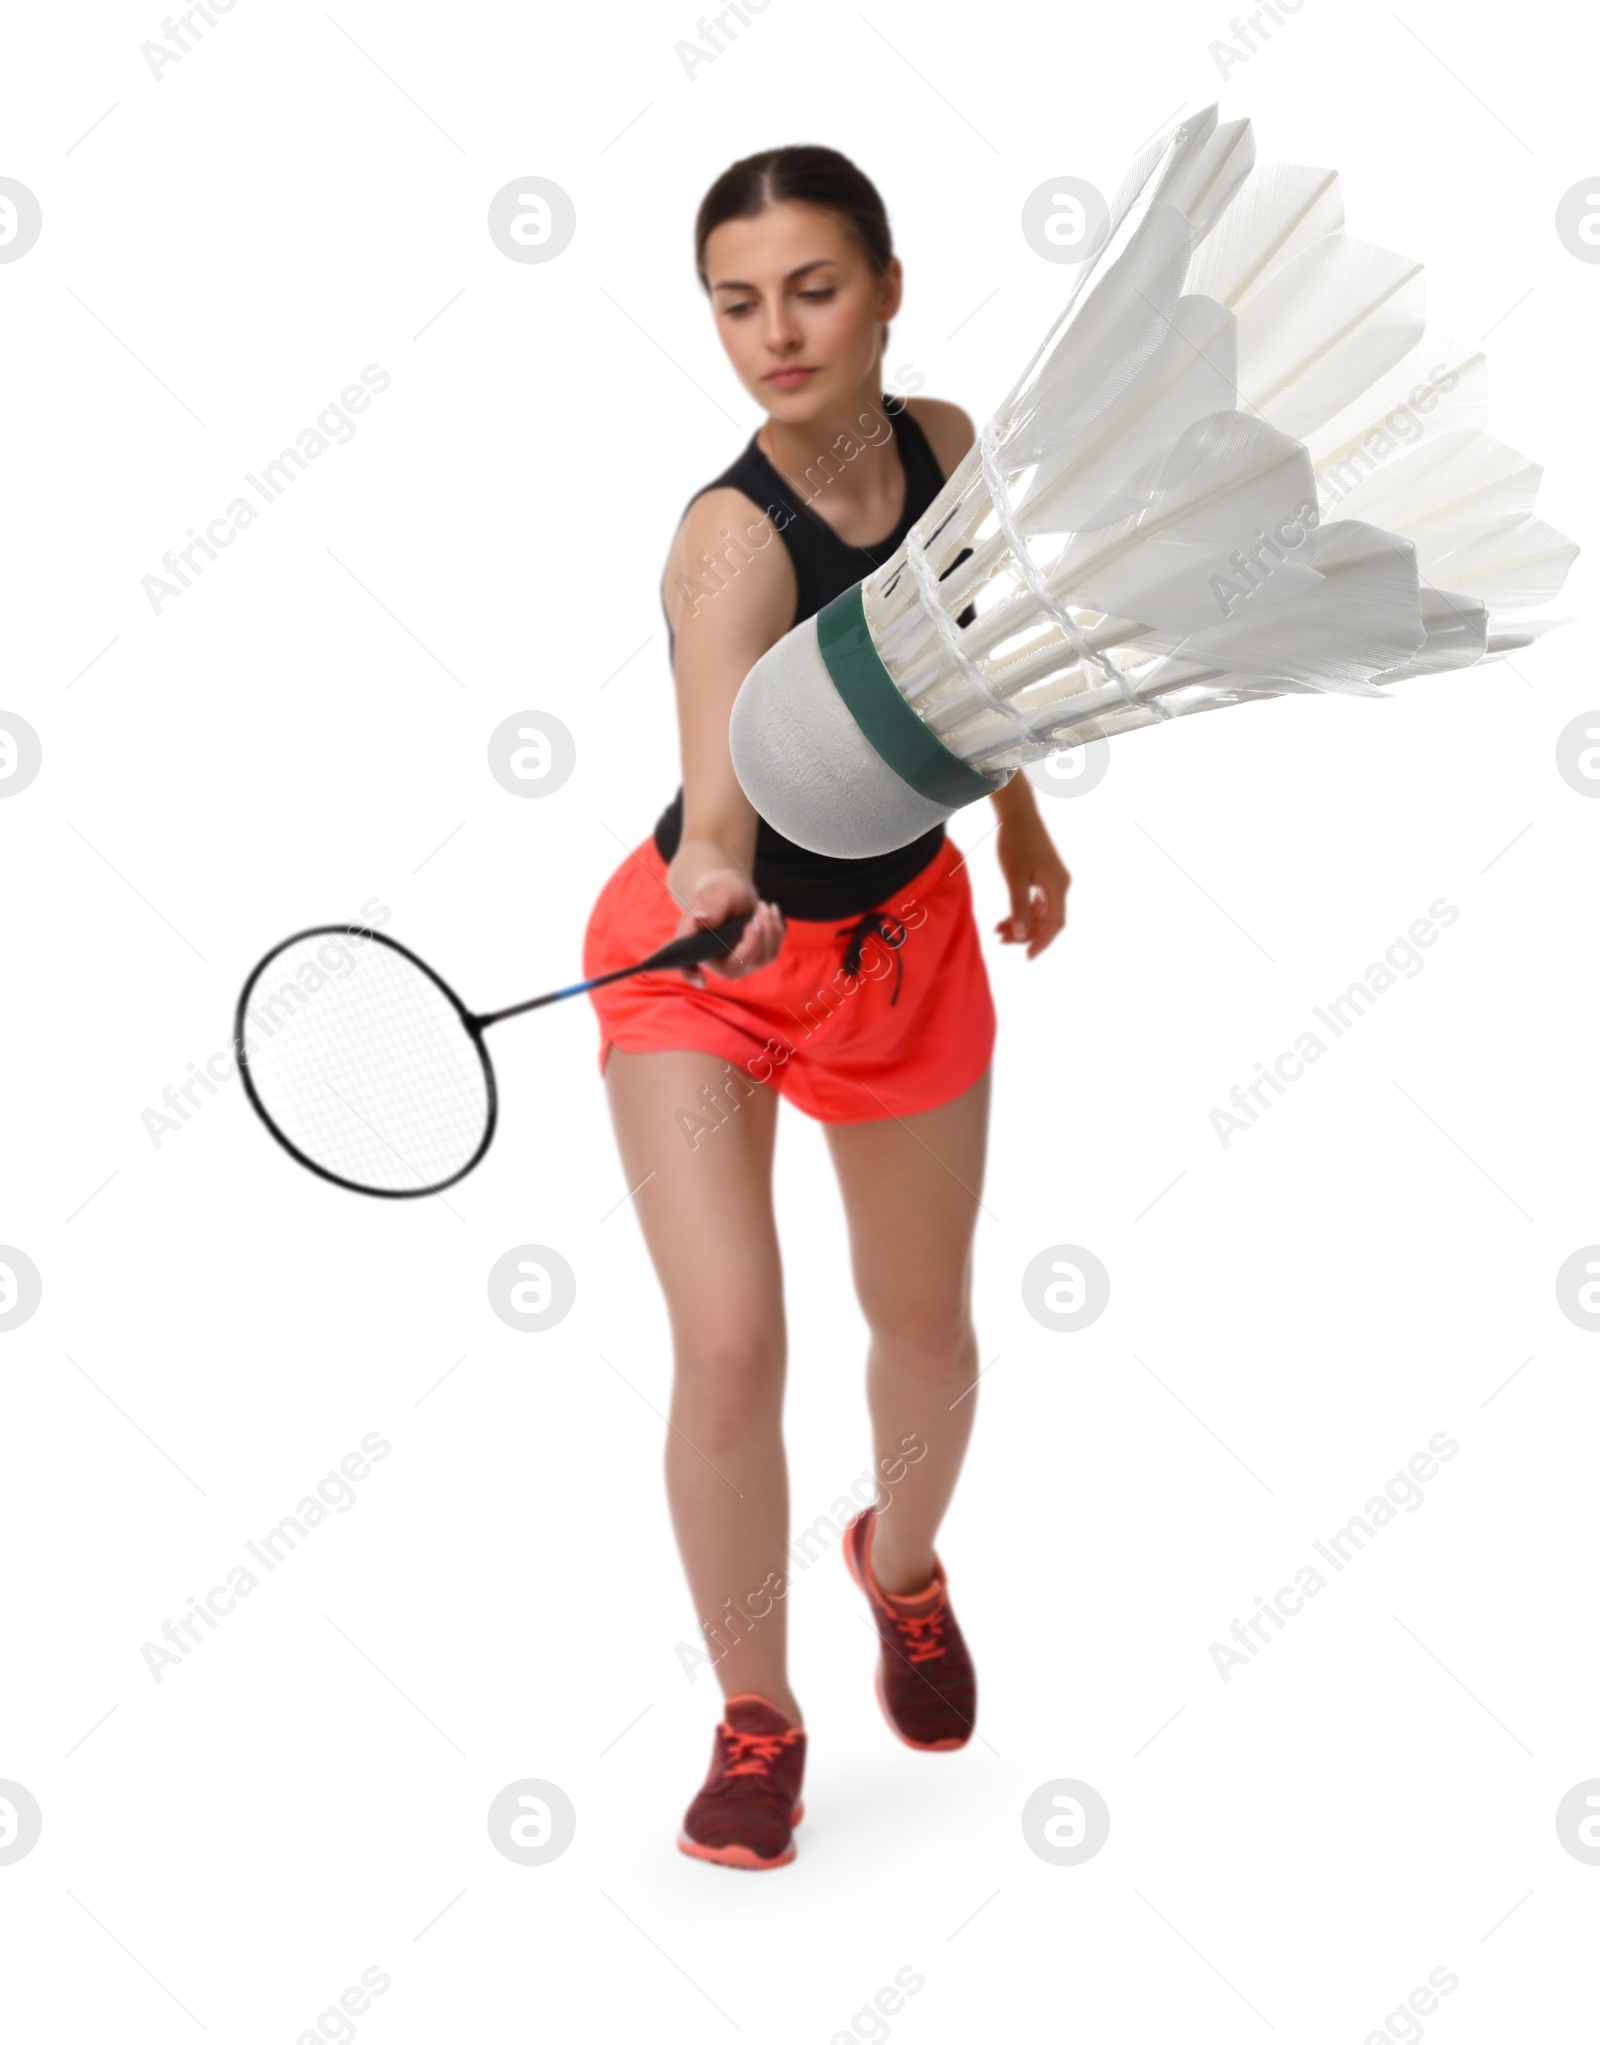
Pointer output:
x,y
362,1062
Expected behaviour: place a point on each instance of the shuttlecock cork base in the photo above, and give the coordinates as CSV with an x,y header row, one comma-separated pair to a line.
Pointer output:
x,y
831,753
1235,468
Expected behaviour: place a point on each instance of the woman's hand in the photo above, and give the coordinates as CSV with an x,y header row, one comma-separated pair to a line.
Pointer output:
x,y
722,893
1034,873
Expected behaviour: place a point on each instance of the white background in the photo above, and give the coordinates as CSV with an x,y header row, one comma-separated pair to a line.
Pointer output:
x,y
1289,1323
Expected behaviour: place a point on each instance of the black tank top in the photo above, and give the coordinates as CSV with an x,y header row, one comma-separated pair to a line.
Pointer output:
x,y
802,883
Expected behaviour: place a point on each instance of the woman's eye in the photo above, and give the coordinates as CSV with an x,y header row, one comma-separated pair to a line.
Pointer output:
x,y
820,295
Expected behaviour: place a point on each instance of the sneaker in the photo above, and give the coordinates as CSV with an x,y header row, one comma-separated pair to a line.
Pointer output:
x,y
744,1815
925,1682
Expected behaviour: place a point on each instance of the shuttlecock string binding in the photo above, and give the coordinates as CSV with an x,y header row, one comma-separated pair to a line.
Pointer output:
x,y
949,634
1053,647
1021,553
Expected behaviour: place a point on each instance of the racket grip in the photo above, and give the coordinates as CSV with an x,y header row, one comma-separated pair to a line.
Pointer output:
x,y
697,946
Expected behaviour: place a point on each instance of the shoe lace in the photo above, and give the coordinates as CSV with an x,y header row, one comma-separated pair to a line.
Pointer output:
x,y
753,1753
922,1632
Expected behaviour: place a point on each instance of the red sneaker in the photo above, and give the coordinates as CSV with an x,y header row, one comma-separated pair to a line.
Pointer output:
x,y
744,1815
925,1682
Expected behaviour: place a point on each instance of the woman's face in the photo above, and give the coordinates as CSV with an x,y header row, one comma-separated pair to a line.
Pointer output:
x,y
799,309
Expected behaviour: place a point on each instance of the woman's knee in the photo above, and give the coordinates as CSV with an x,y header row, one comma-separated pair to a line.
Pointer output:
x,y
929,1326
729,1380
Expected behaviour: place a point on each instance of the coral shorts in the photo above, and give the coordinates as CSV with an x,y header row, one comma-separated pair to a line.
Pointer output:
x,y
855,1019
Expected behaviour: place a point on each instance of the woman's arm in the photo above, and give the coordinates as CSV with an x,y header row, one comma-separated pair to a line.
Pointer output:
x,y
730,594
1032,867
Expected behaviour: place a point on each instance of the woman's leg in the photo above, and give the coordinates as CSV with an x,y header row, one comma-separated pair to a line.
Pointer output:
x,y
705,1206
911,1188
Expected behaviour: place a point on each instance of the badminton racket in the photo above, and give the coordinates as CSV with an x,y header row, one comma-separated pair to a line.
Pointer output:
x,y
371,1071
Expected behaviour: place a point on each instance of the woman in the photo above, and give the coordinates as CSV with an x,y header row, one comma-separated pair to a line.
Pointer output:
x,y
857,989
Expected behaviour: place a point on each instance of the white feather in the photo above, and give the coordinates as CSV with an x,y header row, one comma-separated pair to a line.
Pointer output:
x,y
1223,481
1280,210
1516,564
1085,481
1174,194
1324,328
1357,617
1439,387
1447,491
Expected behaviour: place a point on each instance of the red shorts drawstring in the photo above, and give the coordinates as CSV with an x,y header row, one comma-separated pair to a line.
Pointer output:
x,y
875,923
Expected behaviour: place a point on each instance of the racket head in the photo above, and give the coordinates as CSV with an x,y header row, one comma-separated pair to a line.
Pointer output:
x,y
404,1012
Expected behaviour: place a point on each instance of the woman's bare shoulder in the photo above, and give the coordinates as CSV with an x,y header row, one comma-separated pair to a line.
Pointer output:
x,y
726,547
950,432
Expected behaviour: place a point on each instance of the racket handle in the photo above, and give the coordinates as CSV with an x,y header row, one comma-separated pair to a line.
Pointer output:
x,y
696,947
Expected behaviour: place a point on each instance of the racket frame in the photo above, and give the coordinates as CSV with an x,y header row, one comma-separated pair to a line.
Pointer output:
x,y
473,1025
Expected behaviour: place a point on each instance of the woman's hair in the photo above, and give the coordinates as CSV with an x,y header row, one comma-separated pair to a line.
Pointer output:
x,y
807,175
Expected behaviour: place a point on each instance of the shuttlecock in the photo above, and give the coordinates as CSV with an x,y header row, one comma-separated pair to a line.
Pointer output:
x,y
1234,468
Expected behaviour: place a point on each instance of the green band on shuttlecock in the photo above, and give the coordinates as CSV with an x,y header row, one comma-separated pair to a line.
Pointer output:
x,y
887,720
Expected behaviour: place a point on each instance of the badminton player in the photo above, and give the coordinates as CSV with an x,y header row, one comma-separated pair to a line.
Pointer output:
x,y
858,991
